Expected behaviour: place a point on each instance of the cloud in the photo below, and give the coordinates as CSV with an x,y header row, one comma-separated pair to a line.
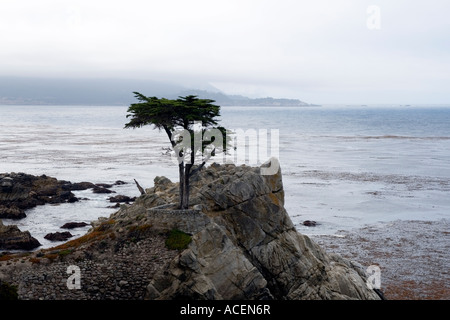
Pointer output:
x,y
257,47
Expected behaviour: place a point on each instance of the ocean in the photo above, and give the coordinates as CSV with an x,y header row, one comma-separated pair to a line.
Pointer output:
x,y
343,167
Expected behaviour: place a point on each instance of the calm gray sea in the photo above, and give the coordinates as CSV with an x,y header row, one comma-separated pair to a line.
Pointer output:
x,y
343,166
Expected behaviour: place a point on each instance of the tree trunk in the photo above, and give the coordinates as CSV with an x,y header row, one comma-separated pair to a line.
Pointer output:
x,y
186,192
181,172
187,175
185,204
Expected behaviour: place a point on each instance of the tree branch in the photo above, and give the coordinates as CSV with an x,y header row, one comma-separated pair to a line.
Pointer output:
x,y
193,172
169,134
202,165
139,187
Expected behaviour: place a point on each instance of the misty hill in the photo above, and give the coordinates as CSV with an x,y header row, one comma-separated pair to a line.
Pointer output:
x,y
78,91
16,91
238,100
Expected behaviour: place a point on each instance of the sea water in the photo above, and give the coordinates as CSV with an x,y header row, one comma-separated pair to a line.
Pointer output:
x,y
343,166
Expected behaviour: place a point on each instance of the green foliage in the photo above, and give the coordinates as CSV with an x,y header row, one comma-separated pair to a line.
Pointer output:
x,y
8,292
65,252
179,119
151,110
165,113
178,240
171,115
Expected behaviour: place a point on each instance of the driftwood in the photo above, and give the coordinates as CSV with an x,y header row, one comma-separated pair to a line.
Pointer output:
x,y
139,187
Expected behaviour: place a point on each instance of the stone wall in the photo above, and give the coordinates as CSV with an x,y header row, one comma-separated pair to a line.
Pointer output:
x,y
189,221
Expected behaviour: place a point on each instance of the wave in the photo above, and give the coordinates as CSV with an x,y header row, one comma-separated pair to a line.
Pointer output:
x,y
410,182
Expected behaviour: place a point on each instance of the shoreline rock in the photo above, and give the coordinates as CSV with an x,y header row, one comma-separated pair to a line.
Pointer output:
x,y
73,225
11,238
58,236
309,223
11,212
98,189
121,198
20,191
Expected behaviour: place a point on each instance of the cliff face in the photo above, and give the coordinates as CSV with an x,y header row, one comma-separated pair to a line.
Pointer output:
x,y
244,245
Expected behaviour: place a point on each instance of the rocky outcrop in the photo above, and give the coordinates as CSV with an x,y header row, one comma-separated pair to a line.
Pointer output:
x,y
121,198
11,238
20,191
73,225
58,236
244,245
11,212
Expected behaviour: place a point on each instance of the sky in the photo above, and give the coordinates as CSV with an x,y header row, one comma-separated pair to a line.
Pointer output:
x,y
321,51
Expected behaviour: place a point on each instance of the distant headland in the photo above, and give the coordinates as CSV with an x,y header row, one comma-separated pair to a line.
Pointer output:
x,y
34,91
239,100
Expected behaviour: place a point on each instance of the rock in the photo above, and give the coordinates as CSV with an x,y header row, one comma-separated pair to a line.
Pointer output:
x,y
123,283
244,244
73,225
11,238
212,268
6,184
58,236
161,183
11,212
309,223
98,189
78,186
121,198
20,191
67,196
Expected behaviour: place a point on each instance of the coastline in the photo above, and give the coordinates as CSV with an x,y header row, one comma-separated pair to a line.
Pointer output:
x,y
239,228
412,254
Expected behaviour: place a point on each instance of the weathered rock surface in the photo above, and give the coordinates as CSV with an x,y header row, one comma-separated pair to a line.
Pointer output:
x,y
309,223
122,198
11,238
100,189
244,245
58,236
11,212
73,225
20,191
